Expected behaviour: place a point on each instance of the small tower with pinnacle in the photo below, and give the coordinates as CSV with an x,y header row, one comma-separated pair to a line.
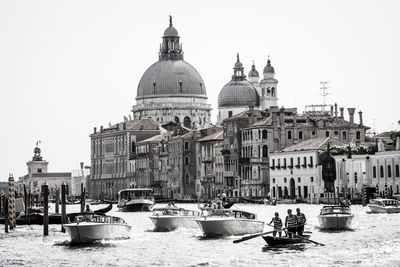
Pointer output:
x,y
269,86
37,164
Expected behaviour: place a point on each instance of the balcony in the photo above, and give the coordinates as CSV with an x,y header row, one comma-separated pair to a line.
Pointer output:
x,y
278,167
244,161
272,167
298,166
290,166
304,165
229,174
207,159
284,167
132,156
310,165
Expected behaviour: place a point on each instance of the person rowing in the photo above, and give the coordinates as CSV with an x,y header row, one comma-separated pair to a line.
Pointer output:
x,y
277,224
291,223
301,219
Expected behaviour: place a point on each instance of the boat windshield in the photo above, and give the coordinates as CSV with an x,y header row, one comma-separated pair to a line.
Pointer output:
x,y
90,217
175,212
390,202
335,209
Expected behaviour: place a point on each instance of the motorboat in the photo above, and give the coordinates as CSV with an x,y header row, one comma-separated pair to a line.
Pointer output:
x,y
136,199
285,240
89,228
225,222
335,218
171,218
384,206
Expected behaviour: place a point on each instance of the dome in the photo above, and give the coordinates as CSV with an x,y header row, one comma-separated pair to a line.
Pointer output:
x,y
171,32
269,68
238,93
253,72
171,77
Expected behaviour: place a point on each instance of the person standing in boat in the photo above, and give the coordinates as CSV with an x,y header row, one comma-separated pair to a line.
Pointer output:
x,y
291,223
277,224
301,218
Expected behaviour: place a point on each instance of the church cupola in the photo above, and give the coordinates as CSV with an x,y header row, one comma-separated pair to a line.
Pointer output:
x,y
254,77
238,70
171,49
269,94
269,71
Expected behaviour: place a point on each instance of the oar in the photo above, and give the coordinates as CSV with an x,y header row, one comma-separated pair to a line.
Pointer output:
x,y
315,242
251,237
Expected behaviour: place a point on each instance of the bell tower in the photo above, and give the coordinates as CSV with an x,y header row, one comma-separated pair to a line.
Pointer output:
x,y
269,95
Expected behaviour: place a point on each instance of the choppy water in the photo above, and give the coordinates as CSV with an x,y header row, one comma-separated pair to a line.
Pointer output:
x,y
375,241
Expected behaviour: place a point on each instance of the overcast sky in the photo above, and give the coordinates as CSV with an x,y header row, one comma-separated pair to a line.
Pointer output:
x,y
68,66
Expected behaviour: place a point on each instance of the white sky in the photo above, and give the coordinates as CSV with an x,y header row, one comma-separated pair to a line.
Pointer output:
x,y
68,66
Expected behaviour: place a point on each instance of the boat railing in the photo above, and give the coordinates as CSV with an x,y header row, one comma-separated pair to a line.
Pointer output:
x,y
91,217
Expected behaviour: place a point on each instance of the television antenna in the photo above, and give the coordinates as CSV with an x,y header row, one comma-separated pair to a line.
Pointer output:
x,y
324,93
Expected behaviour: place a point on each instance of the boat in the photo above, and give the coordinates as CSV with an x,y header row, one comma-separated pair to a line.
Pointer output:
x,y
136,199
225,222
384,206
282,241
168,219
91,227
270,202
335,218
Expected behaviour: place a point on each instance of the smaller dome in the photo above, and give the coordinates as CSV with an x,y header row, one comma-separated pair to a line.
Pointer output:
x,y
36,150
253,72
238,93
269,68
171,31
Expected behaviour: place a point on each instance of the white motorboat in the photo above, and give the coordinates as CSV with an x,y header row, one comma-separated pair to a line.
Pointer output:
x,y
384,206
225,222
90,228
136,199
167,219
335,218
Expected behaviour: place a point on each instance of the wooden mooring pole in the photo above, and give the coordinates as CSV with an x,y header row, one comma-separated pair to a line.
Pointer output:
x,y
82,198
45,191
63,208
5,205
11,202
57,200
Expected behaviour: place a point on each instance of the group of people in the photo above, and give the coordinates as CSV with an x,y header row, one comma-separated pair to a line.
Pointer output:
x,y
294,223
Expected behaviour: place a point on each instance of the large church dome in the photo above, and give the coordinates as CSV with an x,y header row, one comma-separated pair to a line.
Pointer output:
x,y
171,75
238,92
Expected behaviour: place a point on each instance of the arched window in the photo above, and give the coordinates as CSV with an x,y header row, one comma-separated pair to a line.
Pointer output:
x,y
273,92
176,119
327,133
289,135
313,132
389,174
187,122
374,172
397,170
344,135
358,135
186,160
264,134
381,171
300,135
265,151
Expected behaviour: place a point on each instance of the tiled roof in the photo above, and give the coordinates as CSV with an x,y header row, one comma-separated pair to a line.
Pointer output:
x,y
213,137
313,144
157,138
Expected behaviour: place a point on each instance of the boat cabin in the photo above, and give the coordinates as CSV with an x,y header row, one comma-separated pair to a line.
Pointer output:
x,y
335,210
135,193
385,202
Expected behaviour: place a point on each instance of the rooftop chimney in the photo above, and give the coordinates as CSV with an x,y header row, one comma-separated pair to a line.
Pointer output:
x,y
335,110
94,129
331,111
101,128
351,114
342,112
361,119
81,165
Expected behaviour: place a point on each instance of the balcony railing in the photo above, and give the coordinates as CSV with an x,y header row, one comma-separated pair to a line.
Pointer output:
x,y
244,161
225,152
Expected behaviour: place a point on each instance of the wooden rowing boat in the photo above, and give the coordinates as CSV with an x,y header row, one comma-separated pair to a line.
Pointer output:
x,y
279,241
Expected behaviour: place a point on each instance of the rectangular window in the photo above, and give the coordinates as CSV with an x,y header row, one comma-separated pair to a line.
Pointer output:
x,y
230,113
312,179
187,145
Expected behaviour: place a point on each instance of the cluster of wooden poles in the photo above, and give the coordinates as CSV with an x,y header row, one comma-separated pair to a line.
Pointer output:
x,y
7,206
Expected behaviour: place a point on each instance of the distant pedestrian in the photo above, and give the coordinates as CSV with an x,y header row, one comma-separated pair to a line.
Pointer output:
x,y
301,218
291,223
277,224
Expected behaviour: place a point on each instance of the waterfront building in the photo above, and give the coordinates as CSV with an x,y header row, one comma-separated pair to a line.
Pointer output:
x,y
171,89
212,164
38,175
113,156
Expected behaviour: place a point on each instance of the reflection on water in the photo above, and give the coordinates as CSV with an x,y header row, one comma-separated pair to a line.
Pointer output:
x,y
284,248
374,241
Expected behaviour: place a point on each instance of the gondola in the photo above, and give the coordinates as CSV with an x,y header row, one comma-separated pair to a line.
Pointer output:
x,y
281,241
227,205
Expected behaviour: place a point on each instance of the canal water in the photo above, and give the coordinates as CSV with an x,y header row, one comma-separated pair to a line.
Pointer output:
x,y
374,241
